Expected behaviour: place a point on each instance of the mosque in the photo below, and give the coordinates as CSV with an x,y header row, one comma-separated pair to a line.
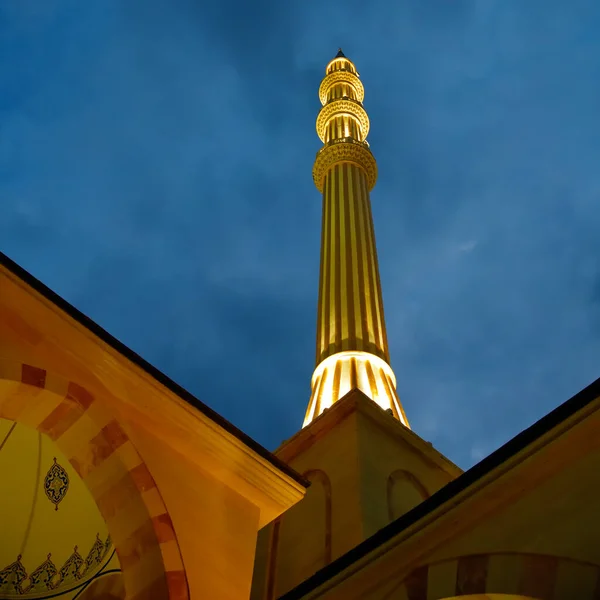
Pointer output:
x,y
117,483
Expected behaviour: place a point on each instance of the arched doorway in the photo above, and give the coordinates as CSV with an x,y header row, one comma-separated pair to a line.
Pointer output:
x,y
95,448
501,576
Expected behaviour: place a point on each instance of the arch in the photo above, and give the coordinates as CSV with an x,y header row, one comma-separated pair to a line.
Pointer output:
x,y
118,479
510,574
402,475
313,475
322,477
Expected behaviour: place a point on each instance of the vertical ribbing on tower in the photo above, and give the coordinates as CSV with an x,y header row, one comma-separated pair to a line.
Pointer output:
x,y
352,350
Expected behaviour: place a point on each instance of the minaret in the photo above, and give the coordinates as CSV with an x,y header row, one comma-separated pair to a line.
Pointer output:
x,y
352,348
365,465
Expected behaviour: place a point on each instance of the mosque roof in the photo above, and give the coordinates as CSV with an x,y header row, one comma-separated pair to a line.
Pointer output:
x,y
526,439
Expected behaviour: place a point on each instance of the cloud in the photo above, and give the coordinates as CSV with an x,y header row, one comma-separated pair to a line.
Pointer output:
x,y
155,169
466,247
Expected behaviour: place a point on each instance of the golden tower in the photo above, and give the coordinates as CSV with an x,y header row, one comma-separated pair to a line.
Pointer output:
x,y
365,465
352,348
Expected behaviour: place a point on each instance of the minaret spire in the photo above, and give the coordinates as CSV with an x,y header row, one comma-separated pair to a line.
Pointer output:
x,y
352,348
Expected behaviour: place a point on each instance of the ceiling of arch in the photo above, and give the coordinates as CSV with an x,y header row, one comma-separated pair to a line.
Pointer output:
x,y
490,597
53,539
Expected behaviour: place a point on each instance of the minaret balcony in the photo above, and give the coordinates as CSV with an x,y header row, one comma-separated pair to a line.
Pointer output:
x,y
342,107
344,150
341,76
344,140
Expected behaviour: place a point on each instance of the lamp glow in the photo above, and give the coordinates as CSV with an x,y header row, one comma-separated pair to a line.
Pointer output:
x,y
340,373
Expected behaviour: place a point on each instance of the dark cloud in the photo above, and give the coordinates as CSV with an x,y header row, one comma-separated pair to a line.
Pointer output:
x,y
155,169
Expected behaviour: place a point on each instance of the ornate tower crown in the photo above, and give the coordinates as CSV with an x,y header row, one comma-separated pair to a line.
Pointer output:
x,y
352,349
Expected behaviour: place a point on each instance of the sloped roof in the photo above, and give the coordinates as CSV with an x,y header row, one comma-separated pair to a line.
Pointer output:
x,y
155,373
446,494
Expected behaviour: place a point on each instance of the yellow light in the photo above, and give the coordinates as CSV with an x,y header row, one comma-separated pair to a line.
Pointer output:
x,y
340,373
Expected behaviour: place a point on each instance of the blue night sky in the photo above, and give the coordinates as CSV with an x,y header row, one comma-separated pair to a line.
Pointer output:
x,y
155,171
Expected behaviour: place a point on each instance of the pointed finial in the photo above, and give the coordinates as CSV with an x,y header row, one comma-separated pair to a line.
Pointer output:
x,y
340,54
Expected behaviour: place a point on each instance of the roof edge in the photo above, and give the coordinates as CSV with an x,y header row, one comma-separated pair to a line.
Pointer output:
x,y
470,477
151,370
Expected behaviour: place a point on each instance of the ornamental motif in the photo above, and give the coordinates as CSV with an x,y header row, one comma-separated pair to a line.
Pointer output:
x,y
16,581
347,151
42,578
342,106
341,76
72,569
56,484
12,577
96,554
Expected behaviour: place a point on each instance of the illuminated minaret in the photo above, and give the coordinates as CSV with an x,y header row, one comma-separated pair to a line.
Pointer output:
x,y
352,348
366,467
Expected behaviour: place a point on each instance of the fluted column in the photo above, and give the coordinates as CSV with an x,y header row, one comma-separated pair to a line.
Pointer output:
x,y
352,348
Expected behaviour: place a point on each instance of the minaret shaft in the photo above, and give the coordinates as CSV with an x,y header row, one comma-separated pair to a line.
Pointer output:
x,y
350,310
352,349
